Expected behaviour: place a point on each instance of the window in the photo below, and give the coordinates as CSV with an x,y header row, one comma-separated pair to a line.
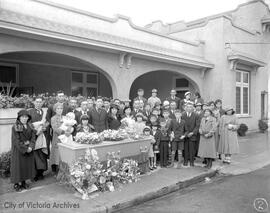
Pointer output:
x,y
9,73
242,92
181,86
84,83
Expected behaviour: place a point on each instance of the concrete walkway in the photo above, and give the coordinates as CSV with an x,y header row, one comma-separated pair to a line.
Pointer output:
x,y
57,198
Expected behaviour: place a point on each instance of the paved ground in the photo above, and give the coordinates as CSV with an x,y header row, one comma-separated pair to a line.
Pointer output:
x,y
223,194
254,154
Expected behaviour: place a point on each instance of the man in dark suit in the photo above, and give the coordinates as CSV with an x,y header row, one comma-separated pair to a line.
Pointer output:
x,y
173,97
173,107
98,116
73,106
84,111
40,155
178,129
192,125
136,108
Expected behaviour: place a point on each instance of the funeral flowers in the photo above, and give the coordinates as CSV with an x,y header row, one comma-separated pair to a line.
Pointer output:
x,y
88,175
88,138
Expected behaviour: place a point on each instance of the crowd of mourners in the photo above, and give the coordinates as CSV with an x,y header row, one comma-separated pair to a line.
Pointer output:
x,y
183,130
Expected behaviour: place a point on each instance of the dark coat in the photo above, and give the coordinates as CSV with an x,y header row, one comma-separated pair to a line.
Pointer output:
x,y
113,123
172,115
39,155
99,120
162,136
22,163
176,99
192,124
178,129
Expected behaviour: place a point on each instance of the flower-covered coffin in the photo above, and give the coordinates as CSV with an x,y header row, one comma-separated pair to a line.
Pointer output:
x,y
128,148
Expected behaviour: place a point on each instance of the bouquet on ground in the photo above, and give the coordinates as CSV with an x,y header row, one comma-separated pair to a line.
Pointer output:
x,y
88,138
87,174
114,135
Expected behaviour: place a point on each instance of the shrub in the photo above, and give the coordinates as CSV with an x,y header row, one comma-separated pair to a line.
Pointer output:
x,y
5,159
263,125
243,128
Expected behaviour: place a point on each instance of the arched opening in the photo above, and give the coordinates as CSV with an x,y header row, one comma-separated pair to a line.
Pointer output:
x,y
163,81
39,72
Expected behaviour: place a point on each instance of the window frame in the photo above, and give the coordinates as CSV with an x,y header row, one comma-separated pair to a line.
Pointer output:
x,y
243,85
84,83
16,84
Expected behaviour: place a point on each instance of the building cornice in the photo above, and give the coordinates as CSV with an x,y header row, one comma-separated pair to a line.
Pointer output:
x,y
114,20
36,26
227,15
236,57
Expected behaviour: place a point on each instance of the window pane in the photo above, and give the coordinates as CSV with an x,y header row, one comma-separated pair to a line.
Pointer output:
x,y
75,91
77,77
181,82
7,74
238,76
91,92
92,78
245,100
245,77
238,100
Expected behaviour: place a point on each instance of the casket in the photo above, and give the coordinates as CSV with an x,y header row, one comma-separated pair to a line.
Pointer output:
x,y
128,148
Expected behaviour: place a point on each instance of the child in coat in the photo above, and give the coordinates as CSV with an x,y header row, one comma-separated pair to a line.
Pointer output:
x,y
155,132
146,132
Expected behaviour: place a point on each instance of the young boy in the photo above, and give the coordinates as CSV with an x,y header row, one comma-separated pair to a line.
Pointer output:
x,y
168,120
163,137
178,128
155,132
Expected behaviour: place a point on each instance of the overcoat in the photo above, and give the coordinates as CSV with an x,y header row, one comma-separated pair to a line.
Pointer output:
x,y
39,155
113,123
56,122
22,163
207,147
228,143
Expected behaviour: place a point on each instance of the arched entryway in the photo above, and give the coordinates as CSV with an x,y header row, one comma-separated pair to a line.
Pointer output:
x,y
163,81
35,72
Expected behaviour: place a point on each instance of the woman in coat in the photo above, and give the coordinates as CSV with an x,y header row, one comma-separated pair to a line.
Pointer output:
x,y
56,122
228,143
22,157
113,118
207,147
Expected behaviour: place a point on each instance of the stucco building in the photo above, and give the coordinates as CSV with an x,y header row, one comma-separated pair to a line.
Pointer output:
x,y
45,47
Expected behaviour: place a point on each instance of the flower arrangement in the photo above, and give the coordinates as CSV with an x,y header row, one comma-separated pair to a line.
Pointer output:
x,y
88,175
88,138
114,135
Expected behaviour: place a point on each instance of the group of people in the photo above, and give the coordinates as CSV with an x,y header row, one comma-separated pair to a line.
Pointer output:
x,y
181,130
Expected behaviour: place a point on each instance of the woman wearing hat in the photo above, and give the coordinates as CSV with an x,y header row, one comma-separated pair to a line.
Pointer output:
x,y
154,99
113,118
56,122
228,143
207,148
22,157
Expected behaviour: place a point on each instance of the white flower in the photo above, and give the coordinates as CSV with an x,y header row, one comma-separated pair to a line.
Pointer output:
x,y
88,166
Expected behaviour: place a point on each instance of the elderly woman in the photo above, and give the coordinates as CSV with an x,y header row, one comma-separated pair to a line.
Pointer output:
x,y
228,143
207,148
56,122
22,156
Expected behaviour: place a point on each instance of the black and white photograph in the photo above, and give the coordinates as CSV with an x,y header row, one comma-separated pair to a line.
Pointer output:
x,y
135,106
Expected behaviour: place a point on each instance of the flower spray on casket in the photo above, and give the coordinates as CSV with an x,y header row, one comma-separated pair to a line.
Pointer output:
x,y
68,127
